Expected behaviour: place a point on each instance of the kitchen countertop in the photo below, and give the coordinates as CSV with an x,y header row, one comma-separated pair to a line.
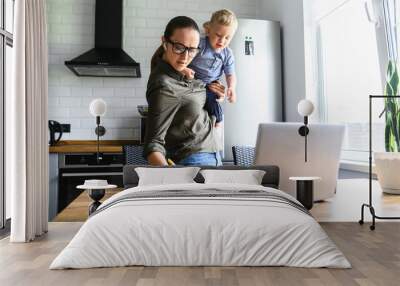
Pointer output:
x,y
88,146
77,210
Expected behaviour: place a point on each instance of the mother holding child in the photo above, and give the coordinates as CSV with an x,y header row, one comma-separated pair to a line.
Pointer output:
x,y
183,98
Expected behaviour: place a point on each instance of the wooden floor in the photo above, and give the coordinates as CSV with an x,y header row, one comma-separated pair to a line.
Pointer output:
x,y
350,195
375,257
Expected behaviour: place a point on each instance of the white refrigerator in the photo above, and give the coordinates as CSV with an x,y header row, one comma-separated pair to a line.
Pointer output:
x,y
257,50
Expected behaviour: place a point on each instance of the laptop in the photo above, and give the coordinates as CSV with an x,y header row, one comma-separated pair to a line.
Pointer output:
x,y
280,144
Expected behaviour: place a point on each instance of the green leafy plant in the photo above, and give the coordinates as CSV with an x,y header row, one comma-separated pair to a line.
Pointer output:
x,y
392,110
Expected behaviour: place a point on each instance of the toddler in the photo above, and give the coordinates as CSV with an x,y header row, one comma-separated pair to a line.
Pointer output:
x,y
216,58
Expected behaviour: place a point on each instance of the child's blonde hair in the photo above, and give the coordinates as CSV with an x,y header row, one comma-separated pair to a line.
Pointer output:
x,y
222,17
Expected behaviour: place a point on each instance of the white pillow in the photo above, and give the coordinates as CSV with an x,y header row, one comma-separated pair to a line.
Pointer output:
x,y
248,177
166,176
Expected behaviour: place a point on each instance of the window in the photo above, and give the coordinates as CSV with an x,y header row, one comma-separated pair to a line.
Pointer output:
x,y
6,65
350,71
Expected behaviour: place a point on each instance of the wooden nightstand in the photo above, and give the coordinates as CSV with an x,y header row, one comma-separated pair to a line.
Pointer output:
x,y
305,190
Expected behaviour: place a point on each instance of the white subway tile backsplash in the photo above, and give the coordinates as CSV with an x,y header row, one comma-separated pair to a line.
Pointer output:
x,y
135,22
71,32
85,101
61,112
134,102
148,32
83,9
145,13
81,134
122,133
113,82
84,38
54,59
124,92
113,102
80,112
156,4
69,18
168,14
122,112
71,80
156,23
58,49
93,82
100,92
70,101
75,123
174,4
89,122
53,19
136,3
81,91
135,43
59,91
140,92
54,39
129,11
120,123
153,43
53,101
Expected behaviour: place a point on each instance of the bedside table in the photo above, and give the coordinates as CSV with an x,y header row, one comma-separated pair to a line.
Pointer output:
x,y
305,190
96,193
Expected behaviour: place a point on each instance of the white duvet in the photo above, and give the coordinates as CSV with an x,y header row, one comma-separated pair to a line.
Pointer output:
x,y
200,231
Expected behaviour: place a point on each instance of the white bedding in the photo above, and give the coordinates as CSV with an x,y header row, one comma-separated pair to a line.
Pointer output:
x,y
200,231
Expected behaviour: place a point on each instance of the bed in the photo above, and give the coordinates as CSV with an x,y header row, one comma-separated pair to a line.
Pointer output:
x,y
197,224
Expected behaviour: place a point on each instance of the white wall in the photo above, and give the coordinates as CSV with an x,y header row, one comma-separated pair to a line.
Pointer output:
x,y
290,14
71,32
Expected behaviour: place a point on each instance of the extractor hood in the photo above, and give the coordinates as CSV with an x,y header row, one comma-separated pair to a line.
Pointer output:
x,y
107,59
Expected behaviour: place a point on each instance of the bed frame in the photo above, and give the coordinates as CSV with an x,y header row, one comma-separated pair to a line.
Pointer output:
x,y
270,179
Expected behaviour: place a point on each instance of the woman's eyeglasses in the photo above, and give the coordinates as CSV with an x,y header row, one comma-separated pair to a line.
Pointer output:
x,y
180,49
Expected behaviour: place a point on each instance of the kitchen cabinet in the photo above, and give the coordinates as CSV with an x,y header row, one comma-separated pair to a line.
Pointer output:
x,y
75,168
71,162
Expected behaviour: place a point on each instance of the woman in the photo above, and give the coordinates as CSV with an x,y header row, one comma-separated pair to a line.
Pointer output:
x,y
178,126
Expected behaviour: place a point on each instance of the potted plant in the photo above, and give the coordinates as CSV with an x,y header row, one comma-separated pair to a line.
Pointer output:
x,y
388,163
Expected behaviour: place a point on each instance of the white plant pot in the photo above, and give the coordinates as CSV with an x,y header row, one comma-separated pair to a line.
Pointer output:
x,y
387,165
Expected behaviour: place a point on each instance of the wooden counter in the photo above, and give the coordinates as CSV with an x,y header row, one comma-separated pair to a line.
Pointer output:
x,y
88,146
78,209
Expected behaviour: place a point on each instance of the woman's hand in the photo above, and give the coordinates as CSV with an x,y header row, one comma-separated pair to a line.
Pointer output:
x,y
157,159
188,73
218,89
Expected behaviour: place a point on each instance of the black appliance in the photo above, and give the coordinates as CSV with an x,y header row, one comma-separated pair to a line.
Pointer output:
x,y
75,168
54,127
107,59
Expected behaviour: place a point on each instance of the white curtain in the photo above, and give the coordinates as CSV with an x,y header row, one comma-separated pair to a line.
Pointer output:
x,y
27,147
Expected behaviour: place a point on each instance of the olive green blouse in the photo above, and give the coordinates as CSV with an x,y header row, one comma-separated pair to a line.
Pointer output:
x,y
177,123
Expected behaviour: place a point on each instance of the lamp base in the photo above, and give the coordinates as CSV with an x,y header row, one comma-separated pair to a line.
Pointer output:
x,y
303,130
100,130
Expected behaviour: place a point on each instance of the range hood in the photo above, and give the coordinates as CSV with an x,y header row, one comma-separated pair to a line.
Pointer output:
x,y
107,59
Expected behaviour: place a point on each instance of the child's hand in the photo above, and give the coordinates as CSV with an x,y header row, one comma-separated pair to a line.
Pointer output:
x,y
231,94
188,73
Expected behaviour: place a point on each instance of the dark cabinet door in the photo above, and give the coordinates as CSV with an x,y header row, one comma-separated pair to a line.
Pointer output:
x,y
69,178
